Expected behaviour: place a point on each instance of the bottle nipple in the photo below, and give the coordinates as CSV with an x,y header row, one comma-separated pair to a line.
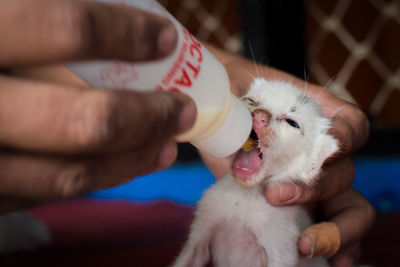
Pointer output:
x,y
250,143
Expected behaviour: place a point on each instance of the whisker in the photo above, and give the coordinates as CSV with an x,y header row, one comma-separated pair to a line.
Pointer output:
x,y
254,59
267,67
306,79
333,111
247,72
323,88
330,81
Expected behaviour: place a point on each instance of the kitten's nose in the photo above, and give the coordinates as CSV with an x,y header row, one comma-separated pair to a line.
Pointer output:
x,y
261,118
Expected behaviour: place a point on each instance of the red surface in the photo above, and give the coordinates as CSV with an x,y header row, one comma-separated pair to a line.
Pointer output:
x,y
100,233
118,233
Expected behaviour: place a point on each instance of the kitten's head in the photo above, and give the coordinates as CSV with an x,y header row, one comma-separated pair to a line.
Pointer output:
x,y
293,142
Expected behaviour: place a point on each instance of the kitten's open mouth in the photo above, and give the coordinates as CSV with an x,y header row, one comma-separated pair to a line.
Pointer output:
x,y
247,163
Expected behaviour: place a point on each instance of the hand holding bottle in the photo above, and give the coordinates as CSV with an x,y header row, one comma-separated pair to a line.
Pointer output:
x,y
58,139
223,123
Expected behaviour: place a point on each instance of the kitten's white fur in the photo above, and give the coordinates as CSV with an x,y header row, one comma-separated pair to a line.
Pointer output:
x,y
234,225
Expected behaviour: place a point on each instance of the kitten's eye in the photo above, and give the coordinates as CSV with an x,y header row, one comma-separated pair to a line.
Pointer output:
x,y
251,102
292,123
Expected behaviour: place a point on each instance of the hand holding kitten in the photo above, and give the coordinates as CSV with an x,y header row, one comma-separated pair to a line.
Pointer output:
x,y
351,213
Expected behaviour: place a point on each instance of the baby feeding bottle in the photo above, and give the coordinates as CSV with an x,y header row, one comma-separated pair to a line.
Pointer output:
x,y
223,123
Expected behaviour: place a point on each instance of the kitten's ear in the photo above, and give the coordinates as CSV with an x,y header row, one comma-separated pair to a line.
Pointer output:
x,y
324,147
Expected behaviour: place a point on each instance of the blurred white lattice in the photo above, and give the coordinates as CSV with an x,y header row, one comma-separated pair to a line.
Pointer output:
x,y
356,26
209,19
332,23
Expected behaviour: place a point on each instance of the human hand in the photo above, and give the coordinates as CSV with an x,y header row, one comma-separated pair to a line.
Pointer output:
x,y
348,210
63,139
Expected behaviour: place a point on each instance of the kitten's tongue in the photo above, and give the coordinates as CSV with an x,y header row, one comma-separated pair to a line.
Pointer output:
x,y
247,164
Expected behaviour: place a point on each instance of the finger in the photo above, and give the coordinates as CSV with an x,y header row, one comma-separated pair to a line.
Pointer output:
x,y
334,179
350,125
56,73
45,31
42,178
219,167
45,117
350,128
347,256
322,239
351,215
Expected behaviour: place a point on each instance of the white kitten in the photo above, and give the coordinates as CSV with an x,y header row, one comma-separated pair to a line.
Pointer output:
x,y
234,225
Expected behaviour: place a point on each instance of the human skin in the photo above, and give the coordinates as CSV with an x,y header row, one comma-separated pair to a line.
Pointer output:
x,y
60,138
63,139
333,195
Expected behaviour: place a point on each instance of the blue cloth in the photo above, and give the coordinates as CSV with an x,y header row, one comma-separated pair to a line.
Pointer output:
x,y
183,183
378,179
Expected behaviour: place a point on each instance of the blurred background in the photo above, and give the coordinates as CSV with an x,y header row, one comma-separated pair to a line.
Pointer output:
x,y
352,47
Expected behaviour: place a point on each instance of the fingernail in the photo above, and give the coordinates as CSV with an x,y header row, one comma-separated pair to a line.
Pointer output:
x,y
167,40
187,116
288,193
306,245
167,155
